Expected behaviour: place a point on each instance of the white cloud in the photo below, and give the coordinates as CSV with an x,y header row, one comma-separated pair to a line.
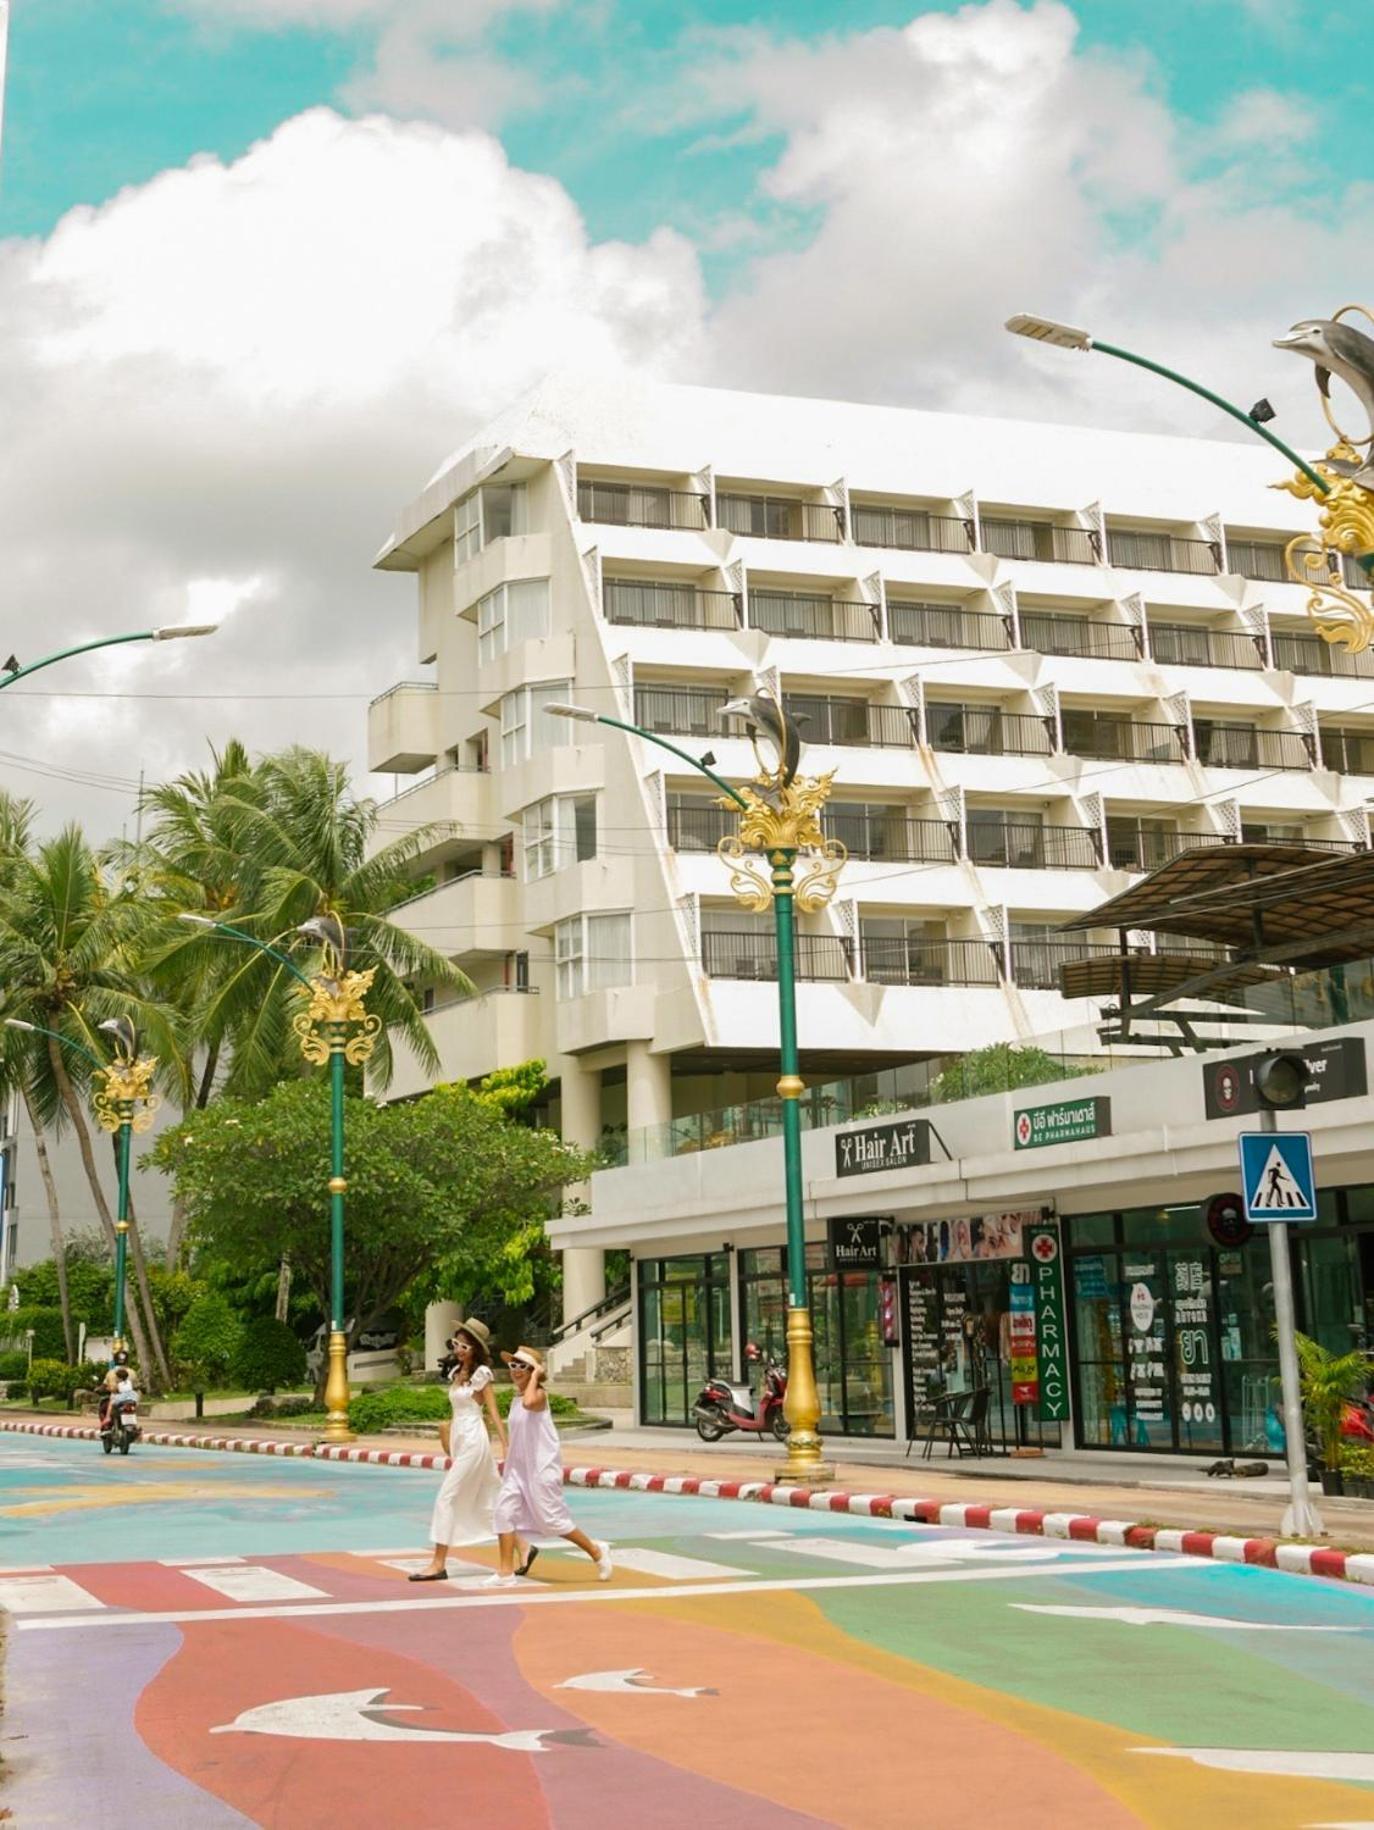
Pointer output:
x,y
1265,118
220,387
982,162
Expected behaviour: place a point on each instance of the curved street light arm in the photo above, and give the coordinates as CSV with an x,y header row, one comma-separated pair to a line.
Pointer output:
x,y
682,755
37,1029
165,634
249,940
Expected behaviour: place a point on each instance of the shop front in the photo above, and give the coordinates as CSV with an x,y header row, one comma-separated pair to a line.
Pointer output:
x,y
1171,1329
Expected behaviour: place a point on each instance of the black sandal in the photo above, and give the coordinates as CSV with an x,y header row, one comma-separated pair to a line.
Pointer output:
x,y
429,1575
526,1566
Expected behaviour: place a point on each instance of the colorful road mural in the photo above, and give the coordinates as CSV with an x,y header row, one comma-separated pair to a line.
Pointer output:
x,y
196,1642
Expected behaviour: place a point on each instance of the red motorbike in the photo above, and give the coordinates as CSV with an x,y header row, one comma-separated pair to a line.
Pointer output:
x,y
723,1406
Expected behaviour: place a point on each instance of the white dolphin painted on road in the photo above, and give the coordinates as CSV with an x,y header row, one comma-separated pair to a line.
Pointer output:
x,y
1177,1617
1275,1763
616,1683
360,1715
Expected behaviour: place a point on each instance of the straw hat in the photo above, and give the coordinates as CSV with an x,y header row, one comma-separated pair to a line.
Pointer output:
x,y
478,1331
530,1355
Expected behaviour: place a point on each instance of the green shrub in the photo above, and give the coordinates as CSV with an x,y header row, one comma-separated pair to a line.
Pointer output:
x,y
1358,1462
54,1379
391,1405
205,1344
269,1355
282,1407
49,1342
14,1366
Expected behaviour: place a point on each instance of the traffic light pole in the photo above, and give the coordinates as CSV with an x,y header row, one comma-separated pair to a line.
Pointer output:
x,y
1301,1520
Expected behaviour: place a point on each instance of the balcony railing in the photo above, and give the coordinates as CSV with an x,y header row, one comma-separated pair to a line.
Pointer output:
x,y
1025,846
892,960
883,840
1161,552
1257,835
945,626
909,529
779,517
653,604
987,731
697,826
1045,633
684,711
1348,752
825,619
1184,645
404,686
642,505
429,780
746,954
1040,540
1309,654
1260,559
1122,740
1222,747
1035,963
851,723
1146,851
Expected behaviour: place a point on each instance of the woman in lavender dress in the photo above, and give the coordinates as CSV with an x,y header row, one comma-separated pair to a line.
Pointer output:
x,y
530,1503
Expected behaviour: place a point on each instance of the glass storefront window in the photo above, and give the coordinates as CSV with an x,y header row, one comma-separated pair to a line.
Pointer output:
x,y
684,1332
853,1368
1249,1358
1091,1229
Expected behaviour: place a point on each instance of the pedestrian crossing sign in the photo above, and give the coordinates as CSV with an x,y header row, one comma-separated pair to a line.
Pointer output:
x,y
1278,1176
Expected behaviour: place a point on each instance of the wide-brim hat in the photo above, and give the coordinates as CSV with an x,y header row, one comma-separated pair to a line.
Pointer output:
x,y
478,1331
531,1356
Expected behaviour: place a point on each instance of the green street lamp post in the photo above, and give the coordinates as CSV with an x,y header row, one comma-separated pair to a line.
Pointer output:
x,y
335,1027
170,632
123,1102
780,819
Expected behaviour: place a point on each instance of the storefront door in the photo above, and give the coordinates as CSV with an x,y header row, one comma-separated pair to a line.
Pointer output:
x,y
684,1332
853,1368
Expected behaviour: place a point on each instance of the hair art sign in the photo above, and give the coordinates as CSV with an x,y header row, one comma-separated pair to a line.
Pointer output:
x,y
879,1147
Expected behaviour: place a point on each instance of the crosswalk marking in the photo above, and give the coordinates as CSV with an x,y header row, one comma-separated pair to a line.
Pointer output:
x,y
194,1562
44,1594
745,1537
252,1582
845,1550
677,1569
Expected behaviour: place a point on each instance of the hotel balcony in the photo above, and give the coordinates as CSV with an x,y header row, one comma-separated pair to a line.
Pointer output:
x,y
655,603
899,961
455,800
1348,752
475,913
778,517
812,616
1105,738
752,953
1139,551
1187,645
1231,747
403,728
472,1035
1045,632
945,626
986,730
1302,653
909,530
1011,844
641,505
1041,540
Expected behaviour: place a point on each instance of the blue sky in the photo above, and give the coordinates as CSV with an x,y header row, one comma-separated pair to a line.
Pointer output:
x,y
106,93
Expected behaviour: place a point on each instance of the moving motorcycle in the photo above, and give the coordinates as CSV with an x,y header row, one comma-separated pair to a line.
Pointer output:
x,y
119,1427
723,1406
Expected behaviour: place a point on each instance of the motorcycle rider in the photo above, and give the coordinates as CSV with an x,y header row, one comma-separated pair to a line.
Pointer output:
x,y
119,1369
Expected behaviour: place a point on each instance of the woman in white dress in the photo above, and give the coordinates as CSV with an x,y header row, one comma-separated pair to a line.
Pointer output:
x,y
464,1505
531,1500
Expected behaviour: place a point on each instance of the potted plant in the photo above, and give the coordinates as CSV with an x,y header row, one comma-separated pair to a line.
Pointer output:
x,y
1357,1472
1329,1382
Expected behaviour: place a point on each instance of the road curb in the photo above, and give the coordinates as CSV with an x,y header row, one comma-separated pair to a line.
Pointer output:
x,y
1268,1553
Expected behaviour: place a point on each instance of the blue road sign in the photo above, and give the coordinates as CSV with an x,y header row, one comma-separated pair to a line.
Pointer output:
x,y
1278,1176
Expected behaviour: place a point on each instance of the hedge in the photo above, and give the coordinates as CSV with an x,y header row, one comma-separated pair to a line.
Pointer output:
x,y
383,1409
49,1342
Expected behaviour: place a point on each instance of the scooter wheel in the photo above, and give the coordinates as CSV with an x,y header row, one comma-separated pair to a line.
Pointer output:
x,y
107,1443
125,1444
781,1427
709,1428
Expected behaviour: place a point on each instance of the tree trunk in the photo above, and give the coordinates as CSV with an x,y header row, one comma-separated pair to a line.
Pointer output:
x,y
207,1079
59,1243
144,1287
175,1230
283,1289
102,1206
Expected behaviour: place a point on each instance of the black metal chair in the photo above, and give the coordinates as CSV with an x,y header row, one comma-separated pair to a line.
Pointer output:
x,y
960,1418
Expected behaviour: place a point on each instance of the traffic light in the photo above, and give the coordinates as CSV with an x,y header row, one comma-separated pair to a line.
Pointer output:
x,y
1281,1082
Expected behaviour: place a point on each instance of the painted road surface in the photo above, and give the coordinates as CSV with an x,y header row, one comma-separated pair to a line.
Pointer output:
x,y
194,1640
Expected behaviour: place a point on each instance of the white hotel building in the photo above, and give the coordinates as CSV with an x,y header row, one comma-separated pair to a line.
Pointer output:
x,y
1039,659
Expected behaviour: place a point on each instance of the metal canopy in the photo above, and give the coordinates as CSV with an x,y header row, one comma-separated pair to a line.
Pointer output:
x,y
1266,902
1272,908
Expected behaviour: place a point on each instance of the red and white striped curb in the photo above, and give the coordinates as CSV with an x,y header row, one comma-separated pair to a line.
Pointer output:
x,y
1297,1559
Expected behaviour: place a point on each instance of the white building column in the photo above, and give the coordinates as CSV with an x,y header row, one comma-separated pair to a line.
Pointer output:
x,y
584,1267
440,1321
648,1087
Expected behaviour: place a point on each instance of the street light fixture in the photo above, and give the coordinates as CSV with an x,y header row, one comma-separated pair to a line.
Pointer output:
x,y
169,632
780,818
124,1103
335,1027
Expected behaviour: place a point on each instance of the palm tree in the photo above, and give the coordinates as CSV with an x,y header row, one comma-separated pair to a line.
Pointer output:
x,y
66,962
268,848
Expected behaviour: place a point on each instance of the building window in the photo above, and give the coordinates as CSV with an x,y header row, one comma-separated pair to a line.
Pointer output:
x,y
525,727
559,830
592,953
514,612
487,514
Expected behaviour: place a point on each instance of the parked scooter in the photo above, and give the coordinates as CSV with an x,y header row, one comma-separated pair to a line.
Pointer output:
x,y
723,1406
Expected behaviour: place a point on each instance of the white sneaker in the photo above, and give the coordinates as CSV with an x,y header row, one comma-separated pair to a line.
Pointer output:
x,y
501,1582
604,1566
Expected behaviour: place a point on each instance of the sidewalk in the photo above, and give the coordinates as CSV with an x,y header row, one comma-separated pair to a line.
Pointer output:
x,y
1170,1492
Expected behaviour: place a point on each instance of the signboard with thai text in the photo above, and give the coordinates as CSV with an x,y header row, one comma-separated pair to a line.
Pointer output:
x,y
1067,1121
